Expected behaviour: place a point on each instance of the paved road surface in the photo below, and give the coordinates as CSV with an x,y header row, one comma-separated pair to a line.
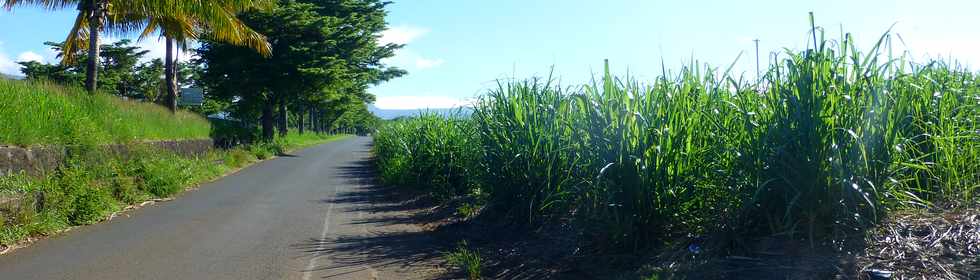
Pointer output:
x,y
308,216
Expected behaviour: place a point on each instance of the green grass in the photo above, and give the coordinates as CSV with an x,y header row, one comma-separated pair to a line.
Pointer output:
x,y
295,140
42,113
282,144
823,146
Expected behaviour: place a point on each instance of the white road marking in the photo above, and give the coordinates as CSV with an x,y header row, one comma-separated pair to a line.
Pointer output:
x,y
321,243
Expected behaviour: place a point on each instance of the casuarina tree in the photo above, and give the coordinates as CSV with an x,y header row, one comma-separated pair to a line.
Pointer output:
x,y
322,50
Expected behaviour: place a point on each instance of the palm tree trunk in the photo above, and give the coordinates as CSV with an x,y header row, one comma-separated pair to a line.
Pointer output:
x,y
94,26
171,77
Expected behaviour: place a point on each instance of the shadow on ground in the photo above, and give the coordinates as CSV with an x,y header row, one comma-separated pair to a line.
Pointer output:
x,y
405,235
408,231
393,239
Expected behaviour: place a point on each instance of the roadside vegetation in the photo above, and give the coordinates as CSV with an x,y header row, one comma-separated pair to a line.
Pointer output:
x,y
826,145
96,182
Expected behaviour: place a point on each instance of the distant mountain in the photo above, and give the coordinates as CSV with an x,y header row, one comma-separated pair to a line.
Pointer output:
x,y
393,113
10,77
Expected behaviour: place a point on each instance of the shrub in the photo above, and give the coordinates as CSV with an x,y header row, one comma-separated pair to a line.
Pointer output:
x,y
161,177
91,205
261,151
236,158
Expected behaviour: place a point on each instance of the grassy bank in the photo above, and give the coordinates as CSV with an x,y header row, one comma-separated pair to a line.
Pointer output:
x,y
94,184
41,113
824,146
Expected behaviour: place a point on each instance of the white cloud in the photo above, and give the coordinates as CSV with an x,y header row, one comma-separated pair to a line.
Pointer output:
x,y
425,63
157,49
156,46
408,102
30,56
7,65
402,34
407,59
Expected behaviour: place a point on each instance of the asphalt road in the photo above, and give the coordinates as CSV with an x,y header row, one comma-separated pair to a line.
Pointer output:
x,y
306,216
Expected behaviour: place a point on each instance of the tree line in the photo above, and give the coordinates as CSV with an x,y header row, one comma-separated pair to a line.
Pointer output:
x,y
287,63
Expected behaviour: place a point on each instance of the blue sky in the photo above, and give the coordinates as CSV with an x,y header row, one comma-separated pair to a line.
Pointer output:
x,y
457,49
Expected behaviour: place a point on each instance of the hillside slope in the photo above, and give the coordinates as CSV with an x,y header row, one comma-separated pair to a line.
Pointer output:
x,y
41,113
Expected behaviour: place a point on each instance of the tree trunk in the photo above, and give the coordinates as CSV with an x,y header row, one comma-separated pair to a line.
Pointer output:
x,y
323,121
283,117
319,120
268,123
94,26
171,76
302,123
313,123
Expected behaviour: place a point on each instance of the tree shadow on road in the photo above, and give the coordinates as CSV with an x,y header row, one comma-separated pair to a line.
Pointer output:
x,y
407,233
393,241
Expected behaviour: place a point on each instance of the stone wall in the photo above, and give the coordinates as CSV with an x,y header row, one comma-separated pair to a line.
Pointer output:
x,y
186,147
39,160
34,161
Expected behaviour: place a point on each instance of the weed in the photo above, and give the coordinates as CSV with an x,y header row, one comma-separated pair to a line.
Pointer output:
x,y
469,261
468,210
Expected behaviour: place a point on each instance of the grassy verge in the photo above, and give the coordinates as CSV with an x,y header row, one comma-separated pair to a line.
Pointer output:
x,y
824,146
39,113
95,184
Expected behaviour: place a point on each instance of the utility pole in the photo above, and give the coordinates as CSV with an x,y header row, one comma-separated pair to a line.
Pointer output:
x,y
758,74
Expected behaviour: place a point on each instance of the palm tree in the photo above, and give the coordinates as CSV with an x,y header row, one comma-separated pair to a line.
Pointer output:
x,y
174,16
93,17
216,20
